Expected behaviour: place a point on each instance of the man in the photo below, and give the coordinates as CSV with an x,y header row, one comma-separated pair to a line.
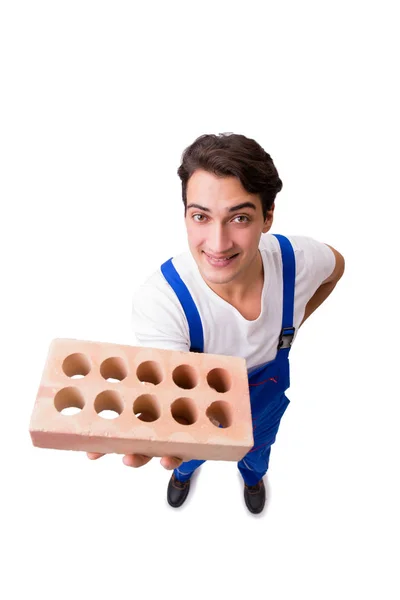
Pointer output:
x,y
237,291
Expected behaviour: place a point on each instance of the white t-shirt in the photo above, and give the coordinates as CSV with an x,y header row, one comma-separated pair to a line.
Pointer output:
x,y
159,320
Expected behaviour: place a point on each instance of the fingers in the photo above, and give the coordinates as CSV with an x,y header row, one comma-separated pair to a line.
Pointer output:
x,y
170,462
135,460
94,455
138,460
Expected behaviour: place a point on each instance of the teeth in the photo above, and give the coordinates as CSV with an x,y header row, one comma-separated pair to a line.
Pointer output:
x,y
221,259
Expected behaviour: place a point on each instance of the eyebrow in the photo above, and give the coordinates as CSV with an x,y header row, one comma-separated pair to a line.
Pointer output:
x,y
232,209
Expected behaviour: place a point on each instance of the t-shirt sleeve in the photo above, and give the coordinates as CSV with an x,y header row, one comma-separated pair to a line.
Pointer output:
x,y
315,261
158,320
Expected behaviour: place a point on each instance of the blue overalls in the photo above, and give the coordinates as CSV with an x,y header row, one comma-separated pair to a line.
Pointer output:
x,y
267,383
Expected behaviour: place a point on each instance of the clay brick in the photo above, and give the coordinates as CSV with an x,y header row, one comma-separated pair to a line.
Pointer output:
x,y
169,403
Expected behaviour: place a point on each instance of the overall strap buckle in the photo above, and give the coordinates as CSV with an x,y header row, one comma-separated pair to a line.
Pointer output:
x,y
286,337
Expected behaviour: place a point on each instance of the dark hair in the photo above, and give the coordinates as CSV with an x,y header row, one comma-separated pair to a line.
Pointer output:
x,y
233,154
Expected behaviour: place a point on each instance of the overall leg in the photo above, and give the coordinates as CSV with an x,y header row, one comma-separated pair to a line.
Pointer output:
x,y
254,465
186,469
253,468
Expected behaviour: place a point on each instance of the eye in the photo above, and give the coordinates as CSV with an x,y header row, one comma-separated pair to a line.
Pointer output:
x,y
243,217
198,215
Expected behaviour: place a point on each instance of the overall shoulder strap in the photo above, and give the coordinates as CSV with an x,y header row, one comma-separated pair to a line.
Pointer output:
x,y
289,277
192,314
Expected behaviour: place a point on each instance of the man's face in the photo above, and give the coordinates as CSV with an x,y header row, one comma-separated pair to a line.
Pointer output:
x,y
224,224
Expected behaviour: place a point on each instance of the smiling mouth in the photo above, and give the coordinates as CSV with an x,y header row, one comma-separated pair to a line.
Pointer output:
x,y
222,260
219,257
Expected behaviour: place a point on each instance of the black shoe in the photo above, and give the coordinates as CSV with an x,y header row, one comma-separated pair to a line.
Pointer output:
x,y
177,491
254,496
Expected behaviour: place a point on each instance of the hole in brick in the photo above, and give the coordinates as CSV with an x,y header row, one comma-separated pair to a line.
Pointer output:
x,y
76,365
185,377
184,411
219,380
113,369
149,372
146,408
220,414
69,401
108,404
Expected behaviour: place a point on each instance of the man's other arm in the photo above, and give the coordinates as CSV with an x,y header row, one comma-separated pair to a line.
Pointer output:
x,y
327,286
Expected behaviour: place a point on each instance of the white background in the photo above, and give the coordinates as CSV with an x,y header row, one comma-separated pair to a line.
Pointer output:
x,y
98,101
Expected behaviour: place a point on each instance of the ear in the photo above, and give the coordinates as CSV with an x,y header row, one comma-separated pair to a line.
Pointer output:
x,y
269,219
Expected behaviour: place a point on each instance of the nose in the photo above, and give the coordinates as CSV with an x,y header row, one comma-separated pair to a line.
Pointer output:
x,y
219,240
